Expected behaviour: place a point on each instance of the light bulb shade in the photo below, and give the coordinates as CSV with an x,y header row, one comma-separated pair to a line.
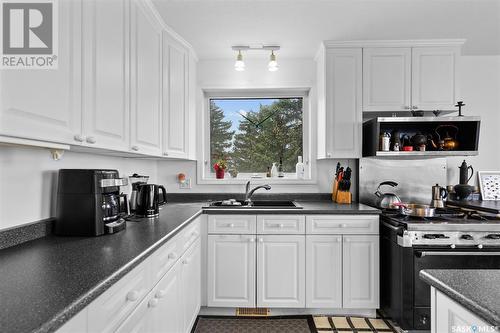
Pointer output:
x,y
239,65
272,66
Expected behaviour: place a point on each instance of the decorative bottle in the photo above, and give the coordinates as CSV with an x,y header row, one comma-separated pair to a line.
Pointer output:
x,y
300,169
274,170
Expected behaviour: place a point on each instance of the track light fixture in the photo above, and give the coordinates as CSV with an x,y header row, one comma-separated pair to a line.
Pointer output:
x,y
239,65
272,66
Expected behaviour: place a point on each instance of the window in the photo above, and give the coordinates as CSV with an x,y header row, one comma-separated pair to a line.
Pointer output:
x,y
250,133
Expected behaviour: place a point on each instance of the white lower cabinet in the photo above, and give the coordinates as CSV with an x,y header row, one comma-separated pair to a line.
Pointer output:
x,y
231,271
449,316
360,269
190,285
281,271
324,271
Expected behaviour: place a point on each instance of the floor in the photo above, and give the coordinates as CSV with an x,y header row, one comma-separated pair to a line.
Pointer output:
x,y
291,324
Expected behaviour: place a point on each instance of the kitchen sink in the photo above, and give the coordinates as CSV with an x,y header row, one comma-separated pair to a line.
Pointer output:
x,y
257,204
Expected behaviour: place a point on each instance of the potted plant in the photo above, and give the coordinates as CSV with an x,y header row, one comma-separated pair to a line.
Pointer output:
x,y
220,167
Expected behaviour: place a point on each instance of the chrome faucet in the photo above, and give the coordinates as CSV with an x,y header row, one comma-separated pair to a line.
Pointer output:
x,y
249,193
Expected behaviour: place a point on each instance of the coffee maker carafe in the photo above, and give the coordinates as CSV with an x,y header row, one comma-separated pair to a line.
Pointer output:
x,y
438,195
148,200
136,180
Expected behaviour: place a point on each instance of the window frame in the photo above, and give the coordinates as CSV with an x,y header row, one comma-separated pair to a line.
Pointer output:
x,y
205,175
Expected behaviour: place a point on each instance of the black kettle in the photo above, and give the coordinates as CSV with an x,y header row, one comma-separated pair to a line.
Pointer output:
x,y
148,200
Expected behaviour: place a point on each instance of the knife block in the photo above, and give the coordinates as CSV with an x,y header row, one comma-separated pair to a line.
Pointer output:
x,y
342,197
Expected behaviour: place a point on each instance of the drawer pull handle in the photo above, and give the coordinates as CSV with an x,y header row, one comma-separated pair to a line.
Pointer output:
x,y
133,296
251,240
343,225
339,239
281,225
261,240
160,294
172,255
153,303
231,225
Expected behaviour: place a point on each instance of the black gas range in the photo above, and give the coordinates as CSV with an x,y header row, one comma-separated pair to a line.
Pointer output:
x,y
453,239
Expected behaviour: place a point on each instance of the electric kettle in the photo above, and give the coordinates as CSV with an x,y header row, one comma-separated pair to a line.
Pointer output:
x,y
136,180
148,200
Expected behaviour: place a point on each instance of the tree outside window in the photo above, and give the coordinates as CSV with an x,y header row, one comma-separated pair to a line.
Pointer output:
x,y
253,133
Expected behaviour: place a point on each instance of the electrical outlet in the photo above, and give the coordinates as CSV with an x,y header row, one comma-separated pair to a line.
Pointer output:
x,y
186,184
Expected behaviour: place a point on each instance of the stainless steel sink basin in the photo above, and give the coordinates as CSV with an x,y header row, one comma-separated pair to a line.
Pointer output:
x,y
258,204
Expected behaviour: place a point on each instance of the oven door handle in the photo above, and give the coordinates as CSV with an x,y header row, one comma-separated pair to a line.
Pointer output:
x,y
421,254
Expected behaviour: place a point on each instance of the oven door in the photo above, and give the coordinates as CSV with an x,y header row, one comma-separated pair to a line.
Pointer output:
x,y
445,258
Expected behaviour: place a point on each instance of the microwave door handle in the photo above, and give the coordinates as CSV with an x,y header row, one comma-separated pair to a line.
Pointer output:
x,y
421,254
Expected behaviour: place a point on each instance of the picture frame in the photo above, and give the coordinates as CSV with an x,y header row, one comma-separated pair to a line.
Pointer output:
x,y
489,184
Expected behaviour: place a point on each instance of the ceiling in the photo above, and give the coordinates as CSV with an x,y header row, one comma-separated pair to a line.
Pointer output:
x,y
212,26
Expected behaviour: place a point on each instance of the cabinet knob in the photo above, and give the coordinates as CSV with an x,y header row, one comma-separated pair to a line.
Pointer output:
x,y
153,303
406,107
347,240
78,138
134,148
133,296
414,107
172,255
161,293
251,240
185,261
329,155
480,246
452,246
91,140
343,225
261,240
281,225
231,225
339,239
165,154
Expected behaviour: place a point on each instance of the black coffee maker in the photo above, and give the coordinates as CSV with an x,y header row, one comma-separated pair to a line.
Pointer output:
x,y
89,202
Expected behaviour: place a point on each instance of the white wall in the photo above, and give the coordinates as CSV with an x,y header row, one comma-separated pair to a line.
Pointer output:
x,y
480,87
221,74
28,180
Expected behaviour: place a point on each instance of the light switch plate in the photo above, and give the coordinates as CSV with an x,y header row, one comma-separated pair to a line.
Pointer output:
x,y
186,184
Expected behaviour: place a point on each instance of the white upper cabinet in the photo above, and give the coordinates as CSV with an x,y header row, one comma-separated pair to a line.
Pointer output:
x,y
386,79
339,109
45,104
175,97
434,78
146,80
360,272
281,271
105,78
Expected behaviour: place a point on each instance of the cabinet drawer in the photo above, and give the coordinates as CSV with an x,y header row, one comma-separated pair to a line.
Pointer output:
x,y
110,309
232,224
165,257
190,234
342,224
281,224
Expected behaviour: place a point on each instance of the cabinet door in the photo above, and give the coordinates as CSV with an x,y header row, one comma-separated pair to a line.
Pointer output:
x,y
386,79
281,271
45,104
146,76
434,78
449,316
360,272
324,271
175,101
231,271
343,103
191,285
165,300
105,48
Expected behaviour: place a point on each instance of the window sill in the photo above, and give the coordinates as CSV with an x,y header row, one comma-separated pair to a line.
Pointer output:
x,y
272,181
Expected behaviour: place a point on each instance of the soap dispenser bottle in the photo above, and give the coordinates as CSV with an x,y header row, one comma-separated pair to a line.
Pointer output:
x,y
299,168
274,170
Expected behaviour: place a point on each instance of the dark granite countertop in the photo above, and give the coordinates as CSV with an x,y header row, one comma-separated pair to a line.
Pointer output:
x,y
476,290
46,281
308,207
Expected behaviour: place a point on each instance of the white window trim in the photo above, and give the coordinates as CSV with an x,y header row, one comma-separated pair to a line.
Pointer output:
x,y
203,165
